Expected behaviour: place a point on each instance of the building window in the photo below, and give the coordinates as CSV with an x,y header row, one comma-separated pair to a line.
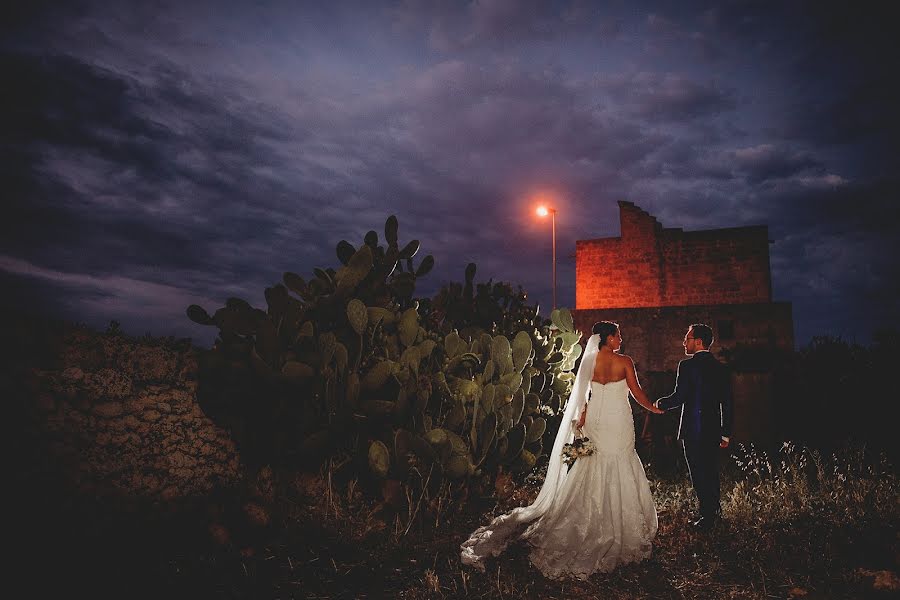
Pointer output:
x,y
726,330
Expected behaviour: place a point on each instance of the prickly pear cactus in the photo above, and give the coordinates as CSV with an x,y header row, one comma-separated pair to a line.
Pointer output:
x,y
349,363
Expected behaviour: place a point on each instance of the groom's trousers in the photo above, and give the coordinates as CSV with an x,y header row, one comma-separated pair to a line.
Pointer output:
x,y
703,465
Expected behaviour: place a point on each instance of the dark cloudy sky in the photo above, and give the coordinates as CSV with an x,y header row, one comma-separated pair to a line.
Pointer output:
x,y
158,154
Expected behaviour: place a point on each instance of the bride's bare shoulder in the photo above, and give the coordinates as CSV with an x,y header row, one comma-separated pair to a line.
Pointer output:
x,y
624,359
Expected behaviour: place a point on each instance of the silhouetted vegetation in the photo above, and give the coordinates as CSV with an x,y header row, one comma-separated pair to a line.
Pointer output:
x,y
842,391
430,399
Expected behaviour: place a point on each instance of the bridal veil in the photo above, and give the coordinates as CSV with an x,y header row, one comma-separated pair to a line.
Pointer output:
x,y
492,539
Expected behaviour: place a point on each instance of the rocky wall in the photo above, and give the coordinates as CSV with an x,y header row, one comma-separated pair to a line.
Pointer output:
x,y
115,416
651,266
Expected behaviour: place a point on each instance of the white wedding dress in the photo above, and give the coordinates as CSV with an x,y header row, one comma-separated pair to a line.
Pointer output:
x,y
604,514
596,516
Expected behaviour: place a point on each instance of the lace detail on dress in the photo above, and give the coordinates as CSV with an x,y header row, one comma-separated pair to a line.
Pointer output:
x,y
492,539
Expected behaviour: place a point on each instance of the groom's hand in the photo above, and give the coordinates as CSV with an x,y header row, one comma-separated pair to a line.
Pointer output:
x,y
724,442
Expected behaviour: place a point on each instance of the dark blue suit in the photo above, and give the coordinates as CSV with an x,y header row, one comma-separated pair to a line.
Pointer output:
x,y
703,391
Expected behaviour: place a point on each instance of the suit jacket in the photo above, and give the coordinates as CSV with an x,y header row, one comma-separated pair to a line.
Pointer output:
x,y
703,391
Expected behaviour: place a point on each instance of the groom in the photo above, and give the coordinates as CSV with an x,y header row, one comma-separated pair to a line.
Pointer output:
x,y
703,391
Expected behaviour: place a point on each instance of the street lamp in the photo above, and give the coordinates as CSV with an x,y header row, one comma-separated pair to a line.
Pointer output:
x,y
543,211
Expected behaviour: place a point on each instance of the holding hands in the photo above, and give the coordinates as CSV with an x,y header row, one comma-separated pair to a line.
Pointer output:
x,y
635,388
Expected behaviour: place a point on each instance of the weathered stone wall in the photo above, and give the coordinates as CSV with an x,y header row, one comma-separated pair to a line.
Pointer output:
x,y
649,265
116,416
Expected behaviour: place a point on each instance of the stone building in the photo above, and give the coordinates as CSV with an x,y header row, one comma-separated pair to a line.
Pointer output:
x,y
656,281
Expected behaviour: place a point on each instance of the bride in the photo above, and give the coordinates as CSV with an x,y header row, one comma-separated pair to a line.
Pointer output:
x,y
600,512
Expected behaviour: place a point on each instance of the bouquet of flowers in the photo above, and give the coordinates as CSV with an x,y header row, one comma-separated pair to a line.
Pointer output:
x,y
581,446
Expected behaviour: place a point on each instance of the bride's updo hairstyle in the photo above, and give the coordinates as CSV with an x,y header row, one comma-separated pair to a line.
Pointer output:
x,y
605,329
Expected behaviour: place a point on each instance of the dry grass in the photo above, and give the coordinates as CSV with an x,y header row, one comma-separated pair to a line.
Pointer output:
x,y
799,483
797,525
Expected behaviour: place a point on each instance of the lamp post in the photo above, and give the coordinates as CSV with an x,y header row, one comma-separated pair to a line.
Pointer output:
x,y
543,211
